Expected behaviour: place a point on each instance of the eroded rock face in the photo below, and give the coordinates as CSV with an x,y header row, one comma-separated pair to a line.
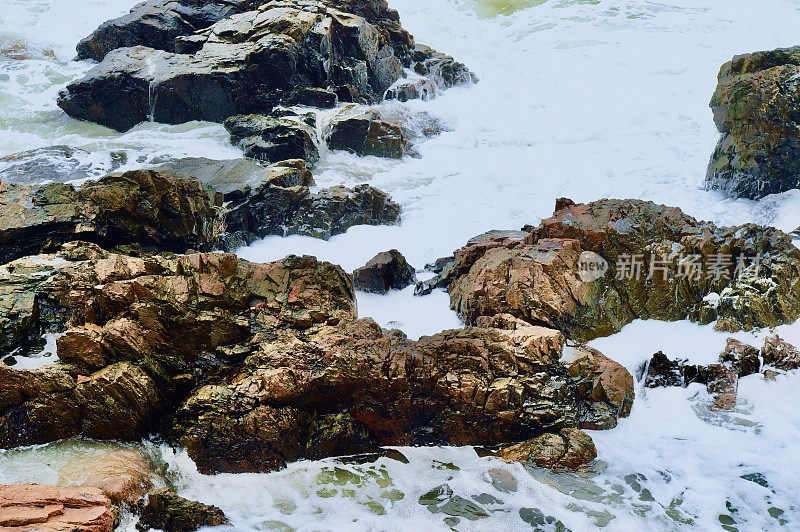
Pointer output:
x,y
570,448
140,333
386,271
538,279
29,507
166,510
475,386
145,207
757,108
780,354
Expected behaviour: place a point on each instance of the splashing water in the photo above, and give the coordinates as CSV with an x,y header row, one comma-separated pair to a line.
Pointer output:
x,y
578,98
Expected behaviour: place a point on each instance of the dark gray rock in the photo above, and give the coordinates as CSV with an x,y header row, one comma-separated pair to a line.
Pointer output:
x,y
386,271
270,139
166,510
366,134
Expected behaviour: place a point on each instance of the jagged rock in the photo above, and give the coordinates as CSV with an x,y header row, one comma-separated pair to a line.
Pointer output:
x,y
366,134
386,271
58,164
236,179
744,358
467,387
157,24
282,211
33,507
143,207
123,475
780,354
538,279
314,97
272,139
723,383
756,110
412,89
166,510
139,333
569,448
606,385
442,69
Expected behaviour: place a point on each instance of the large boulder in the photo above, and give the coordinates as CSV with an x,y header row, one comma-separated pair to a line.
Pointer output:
x,y
652,262
366,134
270,139
29,507
248,63
368,387
386,271
123,475
570,448
144,207
757,109
137,334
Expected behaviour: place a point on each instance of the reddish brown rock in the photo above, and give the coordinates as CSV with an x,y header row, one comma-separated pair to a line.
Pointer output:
x,y
31,507
570,448
123,475
723,384
744,358
780,354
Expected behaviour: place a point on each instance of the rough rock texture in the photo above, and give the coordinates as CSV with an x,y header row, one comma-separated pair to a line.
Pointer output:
x,y
606,385
144,207
32,507
542,284
123,475
780,354
166,510
270,139
385,271
295,210
757,109
743,358
139,333
569,448
58,164
366,134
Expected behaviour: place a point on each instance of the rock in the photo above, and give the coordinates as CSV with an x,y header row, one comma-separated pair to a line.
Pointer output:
x,y
366,134
236,179
569,448
538,279
418,88
663,372
723,384
466,387
123,475
282,211
141,207
606,385
166,510
157,24
442,69
30,507
248,63
140,333
265,138
58,164
385,271
314,97
744,358
780,354
754,108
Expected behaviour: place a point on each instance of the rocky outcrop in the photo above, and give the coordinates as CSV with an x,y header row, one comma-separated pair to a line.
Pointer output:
x,y
166,510
29,507
570,448
144,207
385,271
780,354
247,63
657,263
140,333
757,109
606,386
270,139
294,210
58,164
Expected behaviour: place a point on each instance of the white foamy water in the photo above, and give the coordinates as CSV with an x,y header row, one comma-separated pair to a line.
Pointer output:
x,y
585,99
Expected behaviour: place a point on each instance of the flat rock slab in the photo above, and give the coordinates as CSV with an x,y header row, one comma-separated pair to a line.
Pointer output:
x,y
29,507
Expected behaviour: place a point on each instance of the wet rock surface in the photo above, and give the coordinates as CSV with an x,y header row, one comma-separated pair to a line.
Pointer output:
x,y
570,448
366,134
123,475
143,207
247,63
33,507
270,139
645,248
166,510
386,271
756,109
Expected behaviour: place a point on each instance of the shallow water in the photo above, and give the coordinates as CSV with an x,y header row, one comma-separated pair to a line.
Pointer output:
x,y
578,98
